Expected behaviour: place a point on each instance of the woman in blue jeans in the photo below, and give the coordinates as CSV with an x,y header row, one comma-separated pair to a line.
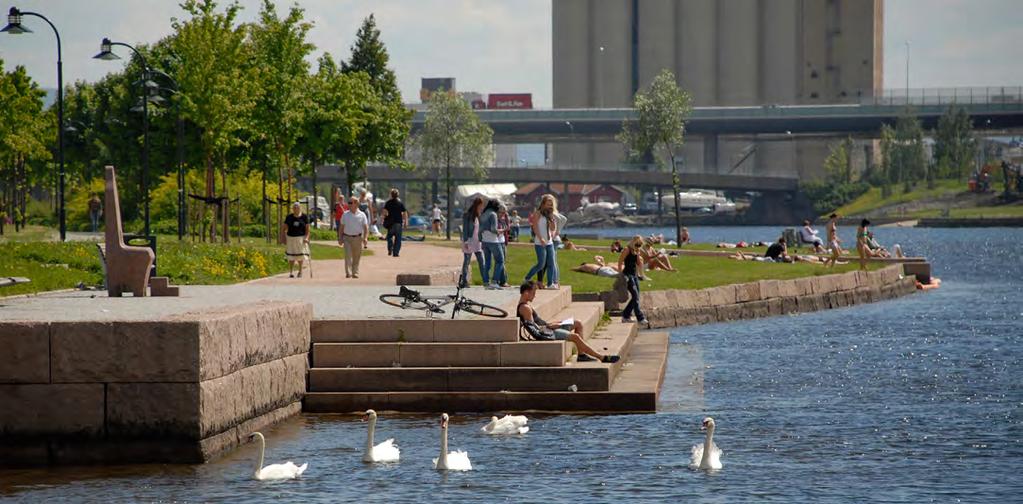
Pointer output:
x,y
493,252
630,263
544,229
471,245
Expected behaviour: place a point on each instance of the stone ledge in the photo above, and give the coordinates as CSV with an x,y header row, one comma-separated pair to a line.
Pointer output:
x,y
51,410
26,352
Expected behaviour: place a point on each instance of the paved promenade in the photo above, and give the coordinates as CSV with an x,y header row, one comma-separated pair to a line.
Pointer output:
x,y
331,294
376,269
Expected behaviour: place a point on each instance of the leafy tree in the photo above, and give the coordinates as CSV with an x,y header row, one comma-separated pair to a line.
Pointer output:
x,y
903,153
954,144
838,164
218,86
279,51
370,56
659,128
453,135
25,131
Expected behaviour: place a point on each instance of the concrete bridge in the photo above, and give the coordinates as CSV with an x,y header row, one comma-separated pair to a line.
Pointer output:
x,y
630,177
1000,109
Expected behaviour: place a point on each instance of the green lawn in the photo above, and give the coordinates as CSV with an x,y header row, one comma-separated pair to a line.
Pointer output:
x,y
52,265
872,200
694,272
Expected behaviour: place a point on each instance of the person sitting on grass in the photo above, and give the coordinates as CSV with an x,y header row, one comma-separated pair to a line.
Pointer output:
x,y
655,260
809,235
569,244
539,329
616,247
778,252
876,250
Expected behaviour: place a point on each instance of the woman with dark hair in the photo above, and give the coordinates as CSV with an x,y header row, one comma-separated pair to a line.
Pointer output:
x,y
491,235
861,243
471,244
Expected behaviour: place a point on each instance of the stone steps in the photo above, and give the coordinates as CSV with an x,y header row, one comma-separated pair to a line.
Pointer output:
x,y
460,379
635,389
517,354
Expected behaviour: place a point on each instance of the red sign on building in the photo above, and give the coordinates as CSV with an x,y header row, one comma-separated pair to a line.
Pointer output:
x,y
510,101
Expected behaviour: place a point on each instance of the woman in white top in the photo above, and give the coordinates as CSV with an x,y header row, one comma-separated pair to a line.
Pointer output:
x,y
545,229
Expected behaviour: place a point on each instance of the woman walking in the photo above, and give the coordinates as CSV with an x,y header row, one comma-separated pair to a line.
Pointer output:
x,y
493,253
630,263
503,237
544,229
471,244
862,246
560,220
296,227
834,242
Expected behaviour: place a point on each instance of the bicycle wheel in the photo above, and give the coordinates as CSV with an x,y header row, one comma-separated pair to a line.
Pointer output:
x,y
482,309
403,302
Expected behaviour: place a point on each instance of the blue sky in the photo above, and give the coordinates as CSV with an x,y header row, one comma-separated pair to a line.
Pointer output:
x,y
505,46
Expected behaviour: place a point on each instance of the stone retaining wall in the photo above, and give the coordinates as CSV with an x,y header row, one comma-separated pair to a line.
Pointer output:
x,y
672,308
180,389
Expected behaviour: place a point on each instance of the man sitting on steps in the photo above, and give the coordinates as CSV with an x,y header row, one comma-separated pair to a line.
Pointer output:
x,y
539,329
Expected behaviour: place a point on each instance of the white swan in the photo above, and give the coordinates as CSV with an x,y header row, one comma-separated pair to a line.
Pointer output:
x,y
454,461
287,470
706,458
506,425
383,452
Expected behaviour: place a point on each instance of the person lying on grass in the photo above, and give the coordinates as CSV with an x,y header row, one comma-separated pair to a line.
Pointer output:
x,y
598,267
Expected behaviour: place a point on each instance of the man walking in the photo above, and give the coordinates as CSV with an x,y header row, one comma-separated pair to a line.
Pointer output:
x,y
353,236
395,219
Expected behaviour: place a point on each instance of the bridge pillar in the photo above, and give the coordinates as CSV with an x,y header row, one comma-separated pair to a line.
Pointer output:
x,y
710,154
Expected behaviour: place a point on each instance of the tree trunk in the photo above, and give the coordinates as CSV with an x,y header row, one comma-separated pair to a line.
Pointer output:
x,y
211,189
674,193
226,208
447,180
265,216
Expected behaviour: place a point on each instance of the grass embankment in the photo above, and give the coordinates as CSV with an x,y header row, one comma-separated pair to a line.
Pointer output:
x,y
53,265
949,196
694,272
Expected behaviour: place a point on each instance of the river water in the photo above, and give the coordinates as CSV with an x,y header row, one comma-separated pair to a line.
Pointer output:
x,y
911,400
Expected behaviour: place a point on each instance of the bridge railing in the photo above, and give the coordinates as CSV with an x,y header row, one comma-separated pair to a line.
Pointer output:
x,y
1010,96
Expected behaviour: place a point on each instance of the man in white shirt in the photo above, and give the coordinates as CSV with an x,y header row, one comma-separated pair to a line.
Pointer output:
x,y
353,235
808,235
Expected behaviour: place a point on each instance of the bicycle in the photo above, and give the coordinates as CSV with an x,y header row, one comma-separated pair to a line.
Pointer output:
x,y
410,299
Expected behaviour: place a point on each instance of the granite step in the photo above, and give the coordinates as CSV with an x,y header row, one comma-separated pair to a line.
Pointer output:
x,y
517,354
588,313
635,390
586,376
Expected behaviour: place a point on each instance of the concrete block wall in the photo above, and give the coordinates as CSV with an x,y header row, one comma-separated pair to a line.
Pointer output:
x,y
672,308
180,389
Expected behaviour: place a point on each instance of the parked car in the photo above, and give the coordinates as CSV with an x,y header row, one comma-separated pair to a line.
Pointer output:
x,y
630,209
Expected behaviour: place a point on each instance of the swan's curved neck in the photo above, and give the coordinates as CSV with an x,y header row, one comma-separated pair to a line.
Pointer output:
x,y
442,461
262,449
708,447
369,436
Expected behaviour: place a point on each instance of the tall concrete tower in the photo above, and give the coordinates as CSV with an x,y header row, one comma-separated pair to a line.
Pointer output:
x,y
726,53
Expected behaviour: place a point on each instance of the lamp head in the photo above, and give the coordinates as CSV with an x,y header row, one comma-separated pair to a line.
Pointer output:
x,y
105,52
14,26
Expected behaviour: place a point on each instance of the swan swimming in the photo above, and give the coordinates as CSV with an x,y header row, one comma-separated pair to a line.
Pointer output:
x,y
703,458
287,470
383,452
454,461
506,425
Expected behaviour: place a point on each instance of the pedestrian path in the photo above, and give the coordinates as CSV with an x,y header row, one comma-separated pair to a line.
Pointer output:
x,y
378,268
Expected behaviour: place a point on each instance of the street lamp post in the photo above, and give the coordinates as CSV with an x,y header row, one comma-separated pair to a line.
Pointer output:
x,y
14,27
907,73
180,127
106,53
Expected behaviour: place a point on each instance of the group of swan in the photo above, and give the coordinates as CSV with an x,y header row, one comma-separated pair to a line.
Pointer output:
x,y
387,451
704,456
